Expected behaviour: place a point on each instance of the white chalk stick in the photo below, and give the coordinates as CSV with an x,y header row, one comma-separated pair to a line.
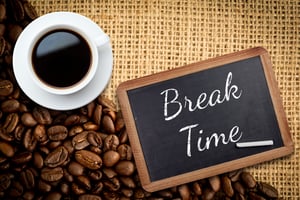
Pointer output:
x,y
255,143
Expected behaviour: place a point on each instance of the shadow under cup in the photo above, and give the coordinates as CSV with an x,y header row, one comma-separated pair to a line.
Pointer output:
x,y
63,60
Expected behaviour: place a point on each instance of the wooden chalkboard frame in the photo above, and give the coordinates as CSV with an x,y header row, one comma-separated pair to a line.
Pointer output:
x,y
122,93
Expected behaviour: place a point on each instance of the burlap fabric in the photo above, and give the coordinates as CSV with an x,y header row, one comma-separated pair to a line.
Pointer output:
x,y
152,36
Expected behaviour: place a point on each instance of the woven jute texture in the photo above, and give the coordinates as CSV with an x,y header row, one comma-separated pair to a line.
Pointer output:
x,y
152,36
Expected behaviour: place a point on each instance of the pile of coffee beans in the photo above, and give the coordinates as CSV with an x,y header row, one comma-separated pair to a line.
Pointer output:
x,y
84,153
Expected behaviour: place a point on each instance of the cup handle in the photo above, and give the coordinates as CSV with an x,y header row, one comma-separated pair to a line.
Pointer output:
x,y
102,40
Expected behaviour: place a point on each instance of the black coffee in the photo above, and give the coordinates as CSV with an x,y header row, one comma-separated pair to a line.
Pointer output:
x,y
61,58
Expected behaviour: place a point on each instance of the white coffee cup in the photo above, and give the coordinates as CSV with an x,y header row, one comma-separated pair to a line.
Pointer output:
x,y
34,34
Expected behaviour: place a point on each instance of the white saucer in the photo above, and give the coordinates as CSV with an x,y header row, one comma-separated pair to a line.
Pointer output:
x,y
62,102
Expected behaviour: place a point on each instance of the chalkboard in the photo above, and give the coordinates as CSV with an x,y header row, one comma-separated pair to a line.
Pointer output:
x,y
194,121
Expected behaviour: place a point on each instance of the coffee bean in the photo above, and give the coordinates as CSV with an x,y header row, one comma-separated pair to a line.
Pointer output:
x,y
29,10
75,130
7,149
5,181
27,179
76,169
254,196
77,190
125,152
111,142
10,105
53,196
110,158
268,190
16,189
57,157
104,101
97,113
57,132
248,180
125,168
80,140
208,194
6,86
95,175
127,181
215,183
197,188
52,174
72,120
18,9
89,197
4,135
28,120
88,159
42,115
2,12
14,32
38,160
239,187
84,182
29,141
44,186
22,157
108,124
227,186
39,133
11,122
112,184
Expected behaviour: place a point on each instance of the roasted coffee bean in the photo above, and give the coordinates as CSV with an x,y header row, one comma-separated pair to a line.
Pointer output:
x,y
2,29
6,86
16,189
10,105
84,182
42,115
97,189
110,158
57,132
29,141
238,187
235,175
18,9
27,178
215,183
89,197
90,126
22,157
67,176
108,124
111,142
104,101
14,32
40,134
28,120
57,157
109,172
197,188
53,196
125,152
254,196
128,181
96,113
80,141
5,181
268,190
75,168
38,160
208,194
7,149
2,12
77,190
88,159
75,130
19,132
44,186
11,122
94,139
248,180
112,184
95,175
29,10
65,188
72,120
125,168
227,186
4,135
52,174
